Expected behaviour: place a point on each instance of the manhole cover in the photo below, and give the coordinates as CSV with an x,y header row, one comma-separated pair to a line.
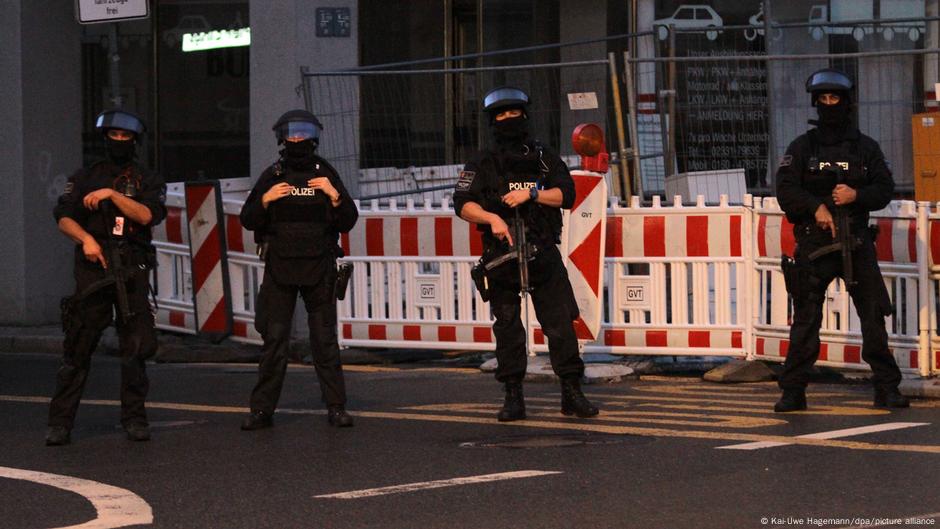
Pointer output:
x,y
549,441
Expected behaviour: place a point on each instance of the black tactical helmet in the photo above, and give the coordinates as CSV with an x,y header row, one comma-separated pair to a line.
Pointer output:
x,y
829,80
119,119
297,124
504,98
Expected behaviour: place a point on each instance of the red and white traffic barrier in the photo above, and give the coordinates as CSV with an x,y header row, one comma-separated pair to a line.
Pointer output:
x,y
676,280
208,252
171,278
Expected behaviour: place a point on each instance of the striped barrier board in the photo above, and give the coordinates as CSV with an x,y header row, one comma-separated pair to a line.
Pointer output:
x,y
444,333
833,353
896,242
170,278
719,341
686,235
212,299
584,230
413,236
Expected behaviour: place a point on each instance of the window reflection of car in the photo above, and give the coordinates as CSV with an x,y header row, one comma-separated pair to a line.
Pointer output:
x,y
186,24
902,9
691,17
758,27
841,11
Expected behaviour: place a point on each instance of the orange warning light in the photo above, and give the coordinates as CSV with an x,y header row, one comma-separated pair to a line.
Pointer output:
x,y
588,141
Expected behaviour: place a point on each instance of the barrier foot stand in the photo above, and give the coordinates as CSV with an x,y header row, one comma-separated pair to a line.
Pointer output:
x,y
740,371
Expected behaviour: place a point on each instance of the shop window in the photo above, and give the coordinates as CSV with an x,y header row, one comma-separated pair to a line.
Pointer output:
x,y
185,72
203,91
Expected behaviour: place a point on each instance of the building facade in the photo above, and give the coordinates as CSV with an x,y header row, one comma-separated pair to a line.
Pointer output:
x,y
209,97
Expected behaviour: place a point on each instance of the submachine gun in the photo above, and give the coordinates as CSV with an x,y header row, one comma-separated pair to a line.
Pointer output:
x,y
845,242
117,272
523,252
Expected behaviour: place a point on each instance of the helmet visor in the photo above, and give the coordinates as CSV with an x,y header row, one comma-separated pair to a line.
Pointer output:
x,y
828,80
503,97
297,131
119,120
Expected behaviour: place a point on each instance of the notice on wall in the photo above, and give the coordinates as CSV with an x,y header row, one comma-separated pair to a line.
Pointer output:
x,y
333,22
582,101
721,103
99,11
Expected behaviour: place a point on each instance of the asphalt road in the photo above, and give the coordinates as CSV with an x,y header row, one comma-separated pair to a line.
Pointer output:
x,y
653,459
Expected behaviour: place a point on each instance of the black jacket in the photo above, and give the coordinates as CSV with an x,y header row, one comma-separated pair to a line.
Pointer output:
x,y
256,218
151,192
489,175
301,234
802,185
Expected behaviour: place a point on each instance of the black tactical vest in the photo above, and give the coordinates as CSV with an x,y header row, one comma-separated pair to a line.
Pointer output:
x,y
832,164
108,218
526,171
300,234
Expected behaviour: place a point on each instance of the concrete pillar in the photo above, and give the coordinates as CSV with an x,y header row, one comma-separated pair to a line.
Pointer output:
x,y
40,144
283,39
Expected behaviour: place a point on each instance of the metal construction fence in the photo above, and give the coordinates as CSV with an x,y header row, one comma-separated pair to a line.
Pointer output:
x,y
673,102
708,276
393,127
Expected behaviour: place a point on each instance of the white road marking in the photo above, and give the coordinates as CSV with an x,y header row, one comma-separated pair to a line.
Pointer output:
x,y
425,485
116,507
834,434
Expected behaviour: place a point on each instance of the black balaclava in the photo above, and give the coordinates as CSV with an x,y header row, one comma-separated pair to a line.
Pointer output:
x,y
120,152
512,131
300,154
834,120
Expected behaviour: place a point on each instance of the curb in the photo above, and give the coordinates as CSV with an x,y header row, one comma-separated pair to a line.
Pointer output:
x,y
923,388
539,369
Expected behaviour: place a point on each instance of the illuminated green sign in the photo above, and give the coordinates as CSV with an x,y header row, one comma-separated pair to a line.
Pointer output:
x,y
211,40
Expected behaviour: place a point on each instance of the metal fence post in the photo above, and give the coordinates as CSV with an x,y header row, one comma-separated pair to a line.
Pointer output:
x,y
669,124
634,134
752,205
305,87
925,352
625,187
771,122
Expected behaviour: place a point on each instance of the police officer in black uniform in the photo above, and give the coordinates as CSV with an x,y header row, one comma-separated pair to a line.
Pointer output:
x,y
297,209
834,170
518,177
109,209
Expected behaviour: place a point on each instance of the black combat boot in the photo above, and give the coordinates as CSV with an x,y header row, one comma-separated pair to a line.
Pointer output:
x,y
257,420
58,436
514,405
573,402
791,400
137,431
890,398
337,416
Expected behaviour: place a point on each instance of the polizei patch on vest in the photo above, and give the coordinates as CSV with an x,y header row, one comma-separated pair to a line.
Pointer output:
x,y
515,186
465,180
302,191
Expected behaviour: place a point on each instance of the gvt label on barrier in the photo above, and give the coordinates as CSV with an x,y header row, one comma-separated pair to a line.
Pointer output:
x,y
635,293
429,289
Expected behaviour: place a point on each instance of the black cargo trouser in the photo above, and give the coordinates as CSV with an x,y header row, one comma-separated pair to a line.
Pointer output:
x,y
273,317
871,303
552,299
88,318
